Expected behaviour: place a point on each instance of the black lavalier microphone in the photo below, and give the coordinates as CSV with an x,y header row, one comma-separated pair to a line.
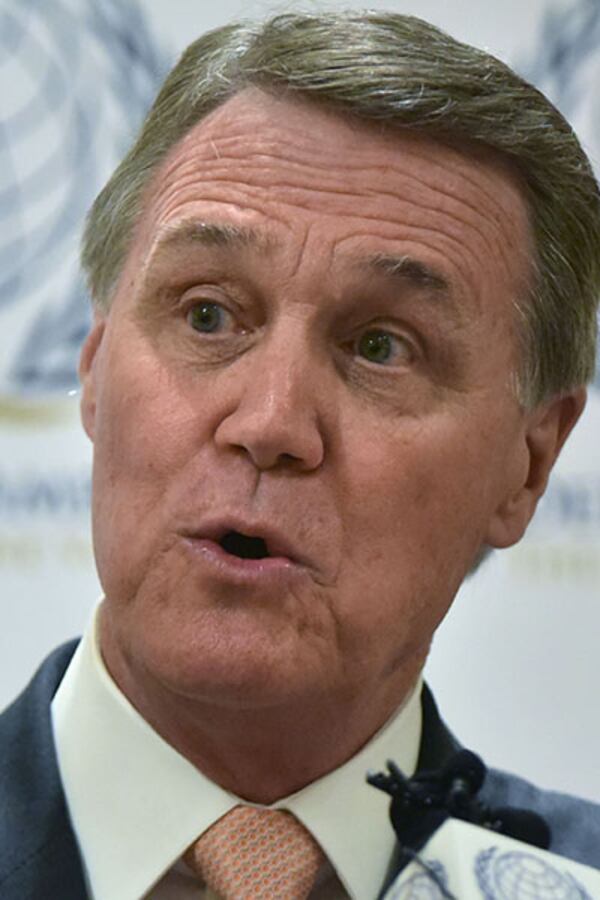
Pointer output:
x,y
421,804
462,777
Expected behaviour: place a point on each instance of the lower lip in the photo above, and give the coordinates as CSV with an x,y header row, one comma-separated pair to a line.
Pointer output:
x,y
237,569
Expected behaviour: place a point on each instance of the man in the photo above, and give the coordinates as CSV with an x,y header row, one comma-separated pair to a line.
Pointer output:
x,y
345,291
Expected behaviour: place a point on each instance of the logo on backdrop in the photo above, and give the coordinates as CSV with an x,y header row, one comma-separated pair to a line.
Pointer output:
x,y
522,876
77,77
566,66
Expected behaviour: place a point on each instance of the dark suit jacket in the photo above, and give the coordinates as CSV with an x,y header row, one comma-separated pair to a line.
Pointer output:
x,y
39,859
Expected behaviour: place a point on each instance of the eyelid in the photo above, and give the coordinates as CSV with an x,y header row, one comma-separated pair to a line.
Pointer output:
x,y
205,293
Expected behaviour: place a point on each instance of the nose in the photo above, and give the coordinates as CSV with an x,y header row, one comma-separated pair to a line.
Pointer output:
x,y
276,417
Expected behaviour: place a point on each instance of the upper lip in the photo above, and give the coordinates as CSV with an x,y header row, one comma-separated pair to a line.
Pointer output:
x,y
278,543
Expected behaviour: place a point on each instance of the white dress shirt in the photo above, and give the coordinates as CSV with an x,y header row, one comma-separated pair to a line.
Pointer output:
x,y
136,804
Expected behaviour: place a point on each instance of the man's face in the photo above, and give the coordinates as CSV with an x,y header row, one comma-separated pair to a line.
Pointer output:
x,y
312,344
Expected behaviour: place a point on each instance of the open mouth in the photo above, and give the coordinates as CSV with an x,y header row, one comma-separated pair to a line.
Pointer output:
x,y
243,546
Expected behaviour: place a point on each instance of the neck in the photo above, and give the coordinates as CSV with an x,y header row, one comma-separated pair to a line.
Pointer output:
x,y
261,754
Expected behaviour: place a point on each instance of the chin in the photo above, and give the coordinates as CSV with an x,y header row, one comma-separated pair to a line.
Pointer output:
x,y
235,666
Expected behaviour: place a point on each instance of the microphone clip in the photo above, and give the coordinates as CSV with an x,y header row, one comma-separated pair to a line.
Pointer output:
x,y
420,804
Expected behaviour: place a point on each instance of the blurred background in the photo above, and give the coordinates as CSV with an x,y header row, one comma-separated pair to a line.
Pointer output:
x,y
516,665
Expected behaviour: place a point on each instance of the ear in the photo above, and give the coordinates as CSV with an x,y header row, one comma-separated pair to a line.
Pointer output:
x,y
546,429
87,374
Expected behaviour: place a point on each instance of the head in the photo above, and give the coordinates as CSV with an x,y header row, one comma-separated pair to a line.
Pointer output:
x,y
345,287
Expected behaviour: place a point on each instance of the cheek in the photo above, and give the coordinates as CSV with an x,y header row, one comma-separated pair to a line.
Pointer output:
x,y
141,429
416,506
413,525
142,441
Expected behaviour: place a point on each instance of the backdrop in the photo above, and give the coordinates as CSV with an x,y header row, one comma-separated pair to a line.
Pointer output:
x,y
515,665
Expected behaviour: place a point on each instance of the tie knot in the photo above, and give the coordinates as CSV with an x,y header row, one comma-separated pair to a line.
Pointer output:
x,y
257,853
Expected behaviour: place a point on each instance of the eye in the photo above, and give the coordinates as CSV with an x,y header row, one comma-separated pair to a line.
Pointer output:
x,y
383,347
208,317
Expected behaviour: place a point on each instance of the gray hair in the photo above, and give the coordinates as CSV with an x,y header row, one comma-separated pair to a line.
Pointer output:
x,y
406,74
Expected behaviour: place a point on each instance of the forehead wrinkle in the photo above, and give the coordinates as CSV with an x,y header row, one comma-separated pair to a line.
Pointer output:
x,y
298,146
501,230
306,173
303,160
303,186
302,197
496,237
491,226
305,154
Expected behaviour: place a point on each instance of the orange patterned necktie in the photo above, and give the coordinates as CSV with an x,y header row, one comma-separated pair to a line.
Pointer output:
x,y
257,854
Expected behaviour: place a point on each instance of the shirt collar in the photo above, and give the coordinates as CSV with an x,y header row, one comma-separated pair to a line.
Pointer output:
x,y
136,804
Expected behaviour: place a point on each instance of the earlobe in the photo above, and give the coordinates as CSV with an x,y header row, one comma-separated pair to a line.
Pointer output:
x,y
547,427
87,374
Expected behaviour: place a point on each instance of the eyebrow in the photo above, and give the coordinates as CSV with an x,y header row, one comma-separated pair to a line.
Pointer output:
x,y
406,269
208,234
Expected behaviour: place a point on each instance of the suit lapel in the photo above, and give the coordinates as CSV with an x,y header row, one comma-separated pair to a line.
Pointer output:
x,y
38,852
437,746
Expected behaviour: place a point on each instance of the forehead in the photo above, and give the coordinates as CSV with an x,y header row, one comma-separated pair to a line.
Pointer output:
x,y
279,169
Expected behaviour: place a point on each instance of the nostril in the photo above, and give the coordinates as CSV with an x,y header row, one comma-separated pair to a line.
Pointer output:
x,y
244,546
